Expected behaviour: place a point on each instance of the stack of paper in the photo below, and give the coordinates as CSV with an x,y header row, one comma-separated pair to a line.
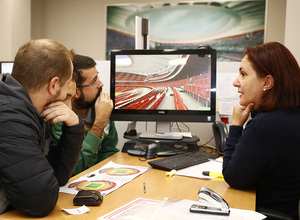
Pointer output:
x,y
172,209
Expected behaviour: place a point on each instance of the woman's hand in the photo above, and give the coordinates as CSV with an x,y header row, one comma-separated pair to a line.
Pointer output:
x,y
241,113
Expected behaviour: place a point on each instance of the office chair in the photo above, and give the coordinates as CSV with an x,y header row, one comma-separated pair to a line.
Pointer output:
x,y
274,215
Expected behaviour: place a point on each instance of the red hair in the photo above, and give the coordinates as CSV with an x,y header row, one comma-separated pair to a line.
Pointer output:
x,y
275,59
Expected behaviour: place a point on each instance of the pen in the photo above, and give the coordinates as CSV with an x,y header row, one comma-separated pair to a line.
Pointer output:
x,y
144,187
213,174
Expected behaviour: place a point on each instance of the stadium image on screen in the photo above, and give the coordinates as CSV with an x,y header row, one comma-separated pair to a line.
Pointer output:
x,y
163,82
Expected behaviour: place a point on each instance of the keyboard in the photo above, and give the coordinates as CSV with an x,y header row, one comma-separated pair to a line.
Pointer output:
x,y
181,161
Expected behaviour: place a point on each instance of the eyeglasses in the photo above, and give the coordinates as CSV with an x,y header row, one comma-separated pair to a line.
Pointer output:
x,y
94,84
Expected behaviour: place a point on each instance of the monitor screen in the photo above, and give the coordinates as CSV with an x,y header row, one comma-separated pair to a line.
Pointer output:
x,y
164,85
6,66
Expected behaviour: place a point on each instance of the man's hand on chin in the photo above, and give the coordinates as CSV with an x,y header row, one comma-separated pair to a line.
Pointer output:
x,y
59,111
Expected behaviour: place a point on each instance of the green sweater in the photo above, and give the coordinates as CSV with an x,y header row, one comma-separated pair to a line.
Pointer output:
x,y
94,149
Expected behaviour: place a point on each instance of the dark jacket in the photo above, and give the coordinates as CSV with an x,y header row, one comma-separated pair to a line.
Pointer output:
x,y
32,166
266,156
94,149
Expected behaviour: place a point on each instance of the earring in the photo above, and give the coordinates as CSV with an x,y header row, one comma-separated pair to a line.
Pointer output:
x,y
264,89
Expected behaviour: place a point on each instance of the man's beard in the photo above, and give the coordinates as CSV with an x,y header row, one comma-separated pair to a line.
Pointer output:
x,y
55,97
80,104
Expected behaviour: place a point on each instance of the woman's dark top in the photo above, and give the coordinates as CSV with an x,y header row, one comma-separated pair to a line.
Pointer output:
x,y
266,156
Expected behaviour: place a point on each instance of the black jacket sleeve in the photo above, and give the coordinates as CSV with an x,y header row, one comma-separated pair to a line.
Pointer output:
x,y
63,157
31,180
30,184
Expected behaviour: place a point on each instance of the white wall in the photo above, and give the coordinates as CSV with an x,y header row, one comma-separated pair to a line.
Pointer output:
x,y
292,30
77,24
15,27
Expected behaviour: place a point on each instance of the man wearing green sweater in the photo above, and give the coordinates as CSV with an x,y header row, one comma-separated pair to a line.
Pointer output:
x,y
94,107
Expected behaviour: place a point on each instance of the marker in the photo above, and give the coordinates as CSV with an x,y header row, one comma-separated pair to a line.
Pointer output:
x,y
213,174
144,187
171,173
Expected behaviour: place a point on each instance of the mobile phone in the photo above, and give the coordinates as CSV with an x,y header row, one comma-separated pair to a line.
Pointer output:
x,y
208,209
88,198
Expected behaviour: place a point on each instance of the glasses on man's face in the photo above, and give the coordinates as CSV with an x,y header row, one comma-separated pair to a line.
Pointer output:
x,y
94,84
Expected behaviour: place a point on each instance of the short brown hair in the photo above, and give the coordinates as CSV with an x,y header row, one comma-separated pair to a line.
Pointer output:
x,y
275,59
38,61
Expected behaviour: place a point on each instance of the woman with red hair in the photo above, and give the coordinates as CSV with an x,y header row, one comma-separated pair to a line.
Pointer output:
x,y
264,152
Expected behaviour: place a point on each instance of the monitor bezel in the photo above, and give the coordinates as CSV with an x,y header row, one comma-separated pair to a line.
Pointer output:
x,y
11,62
165,115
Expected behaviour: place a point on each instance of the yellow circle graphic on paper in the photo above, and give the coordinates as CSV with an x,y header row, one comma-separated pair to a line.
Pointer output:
x,y
99,185
120,171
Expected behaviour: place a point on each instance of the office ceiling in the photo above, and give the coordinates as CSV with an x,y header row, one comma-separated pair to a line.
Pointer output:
x,y
191,22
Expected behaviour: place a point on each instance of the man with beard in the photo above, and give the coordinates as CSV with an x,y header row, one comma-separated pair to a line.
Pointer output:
x,y
32,165
94,107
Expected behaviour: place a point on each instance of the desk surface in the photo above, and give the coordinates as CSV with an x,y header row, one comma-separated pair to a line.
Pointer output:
x,y
158,187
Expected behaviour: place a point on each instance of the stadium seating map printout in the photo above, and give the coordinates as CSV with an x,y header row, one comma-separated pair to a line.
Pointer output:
x,y
106,179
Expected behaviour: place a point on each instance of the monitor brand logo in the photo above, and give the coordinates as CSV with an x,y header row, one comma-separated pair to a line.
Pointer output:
x,y
161,112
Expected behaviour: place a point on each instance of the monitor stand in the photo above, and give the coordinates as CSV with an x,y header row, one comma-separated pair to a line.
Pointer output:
x,y
163,127
156,144
160,136
162,131
151,150
165,147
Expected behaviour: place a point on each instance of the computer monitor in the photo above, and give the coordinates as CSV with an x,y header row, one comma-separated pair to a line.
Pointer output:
x,y
164,85
6,66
